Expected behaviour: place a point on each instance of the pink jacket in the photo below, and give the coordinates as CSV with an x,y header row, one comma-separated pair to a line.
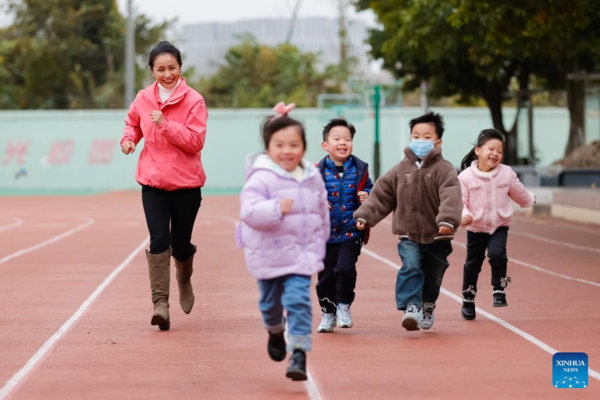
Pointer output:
x,y
171,158
486,196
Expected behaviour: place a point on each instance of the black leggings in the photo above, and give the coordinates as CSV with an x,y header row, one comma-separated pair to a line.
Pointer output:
x,y
177,208
495,244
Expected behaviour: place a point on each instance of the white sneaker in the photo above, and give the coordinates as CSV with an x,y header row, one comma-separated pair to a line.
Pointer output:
x,y
428,316
412,318
344,319
327,323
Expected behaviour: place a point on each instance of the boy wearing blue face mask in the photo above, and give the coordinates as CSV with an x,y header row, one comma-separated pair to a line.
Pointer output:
x,y
424,193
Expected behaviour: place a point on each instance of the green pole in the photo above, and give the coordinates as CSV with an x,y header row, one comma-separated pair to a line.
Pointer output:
x,y
377,156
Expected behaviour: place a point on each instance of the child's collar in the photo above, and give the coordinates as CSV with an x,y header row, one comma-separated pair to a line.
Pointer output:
x,y
344,164
481,174
263,161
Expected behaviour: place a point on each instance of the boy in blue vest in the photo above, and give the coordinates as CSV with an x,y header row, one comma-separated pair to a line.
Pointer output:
x,y
348,186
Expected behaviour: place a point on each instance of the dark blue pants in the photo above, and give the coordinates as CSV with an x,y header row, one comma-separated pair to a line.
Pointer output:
x,y
338,280
423,266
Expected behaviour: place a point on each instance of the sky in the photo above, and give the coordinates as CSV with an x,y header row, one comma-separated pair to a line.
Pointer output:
x,y
188,11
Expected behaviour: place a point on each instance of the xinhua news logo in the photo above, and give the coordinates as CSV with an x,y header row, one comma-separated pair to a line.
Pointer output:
x,y
570,370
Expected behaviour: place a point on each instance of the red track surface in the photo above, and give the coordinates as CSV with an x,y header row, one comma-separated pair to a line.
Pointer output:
x,y
219,350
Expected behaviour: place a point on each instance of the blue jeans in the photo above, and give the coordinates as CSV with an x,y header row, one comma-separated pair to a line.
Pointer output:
x,y
423,266
292,293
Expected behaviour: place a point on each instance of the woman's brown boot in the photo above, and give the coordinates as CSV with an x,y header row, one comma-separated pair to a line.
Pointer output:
x,y
159,269
184,273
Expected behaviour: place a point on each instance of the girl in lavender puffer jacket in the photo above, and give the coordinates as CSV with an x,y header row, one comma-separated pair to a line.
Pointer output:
x,y
284,230
487,188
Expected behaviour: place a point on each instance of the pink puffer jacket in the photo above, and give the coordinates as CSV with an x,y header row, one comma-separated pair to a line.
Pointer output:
x,y
486,196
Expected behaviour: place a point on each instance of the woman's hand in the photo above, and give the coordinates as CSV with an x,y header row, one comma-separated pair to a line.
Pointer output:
x,y
128,147
286,205
157,117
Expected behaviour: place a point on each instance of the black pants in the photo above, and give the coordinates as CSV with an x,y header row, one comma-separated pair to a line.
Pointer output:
x,y
338,280
495,244
170,216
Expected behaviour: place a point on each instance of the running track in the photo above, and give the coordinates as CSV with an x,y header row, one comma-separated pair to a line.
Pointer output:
x,y
76,307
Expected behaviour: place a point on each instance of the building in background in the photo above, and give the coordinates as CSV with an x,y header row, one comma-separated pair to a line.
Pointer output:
x,y
205,44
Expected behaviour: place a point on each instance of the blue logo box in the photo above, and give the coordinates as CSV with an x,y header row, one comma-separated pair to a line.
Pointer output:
x,y
570,370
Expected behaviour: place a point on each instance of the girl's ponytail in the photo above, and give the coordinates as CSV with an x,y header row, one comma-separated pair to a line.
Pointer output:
x,y
484,136
469,158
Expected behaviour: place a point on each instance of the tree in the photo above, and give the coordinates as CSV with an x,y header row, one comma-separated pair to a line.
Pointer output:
x,y
559,41
256,75
480,47
419,42
67,53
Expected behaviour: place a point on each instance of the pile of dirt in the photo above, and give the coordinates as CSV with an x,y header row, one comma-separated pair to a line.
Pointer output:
x,y
587,156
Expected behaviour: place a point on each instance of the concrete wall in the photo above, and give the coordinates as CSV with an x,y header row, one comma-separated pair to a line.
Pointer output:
x,y
78,151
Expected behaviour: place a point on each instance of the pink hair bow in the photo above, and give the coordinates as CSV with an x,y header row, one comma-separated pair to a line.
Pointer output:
x,y
282,109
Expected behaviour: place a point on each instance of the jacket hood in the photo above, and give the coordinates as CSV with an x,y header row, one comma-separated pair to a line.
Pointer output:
x,y
261,161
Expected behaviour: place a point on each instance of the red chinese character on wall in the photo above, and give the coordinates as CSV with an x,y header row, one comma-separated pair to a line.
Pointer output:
x,y
60,152
17,150
102,152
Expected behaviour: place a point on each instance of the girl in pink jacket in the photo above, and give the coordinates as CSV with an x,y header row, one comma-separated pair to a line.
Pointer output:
x,y
284,230
487,188
171,117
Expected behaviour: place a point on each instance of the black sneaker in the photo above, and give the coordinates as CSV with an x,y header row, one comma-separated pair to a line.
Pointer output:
x,y
468,309
297,369
276,346
500,298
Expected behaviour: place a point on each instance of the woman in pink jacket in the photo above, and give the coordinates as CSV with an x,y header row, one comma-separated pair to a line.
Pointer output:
x,y
171,117
487,188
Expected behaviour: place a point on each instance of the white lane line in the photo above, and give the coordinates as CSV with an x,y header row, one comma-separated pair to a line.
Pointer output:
x,y
555,242
534,267
90,222
31,363
15,224
312,389
510,327
540,269
553,223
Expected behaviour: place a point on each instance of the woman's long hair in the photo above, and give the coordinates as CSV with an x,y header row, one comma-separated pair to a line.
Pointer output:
x,y
483,138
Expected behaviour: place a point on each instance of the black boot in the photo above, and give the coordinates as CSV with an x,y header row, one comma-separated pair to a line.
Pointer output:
x,y
297,369
468,310
468,305
276,346
499,298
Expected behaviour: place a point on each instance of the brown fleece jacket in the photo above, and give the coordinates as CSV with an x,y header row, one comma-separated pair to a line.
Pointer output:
x,y
422,199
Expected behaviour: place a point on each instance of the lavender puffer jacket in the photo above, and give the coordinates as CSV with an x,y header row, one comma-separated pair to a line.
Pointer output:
x,y
277,245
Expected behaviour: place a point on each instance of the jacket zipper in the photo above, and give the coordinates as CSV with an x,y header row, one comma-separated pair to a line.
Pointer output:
x,y
341,197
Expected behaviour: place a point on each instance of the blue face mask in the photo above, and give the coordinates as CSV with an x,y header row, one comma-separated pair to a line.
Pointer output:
x,y
421,147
